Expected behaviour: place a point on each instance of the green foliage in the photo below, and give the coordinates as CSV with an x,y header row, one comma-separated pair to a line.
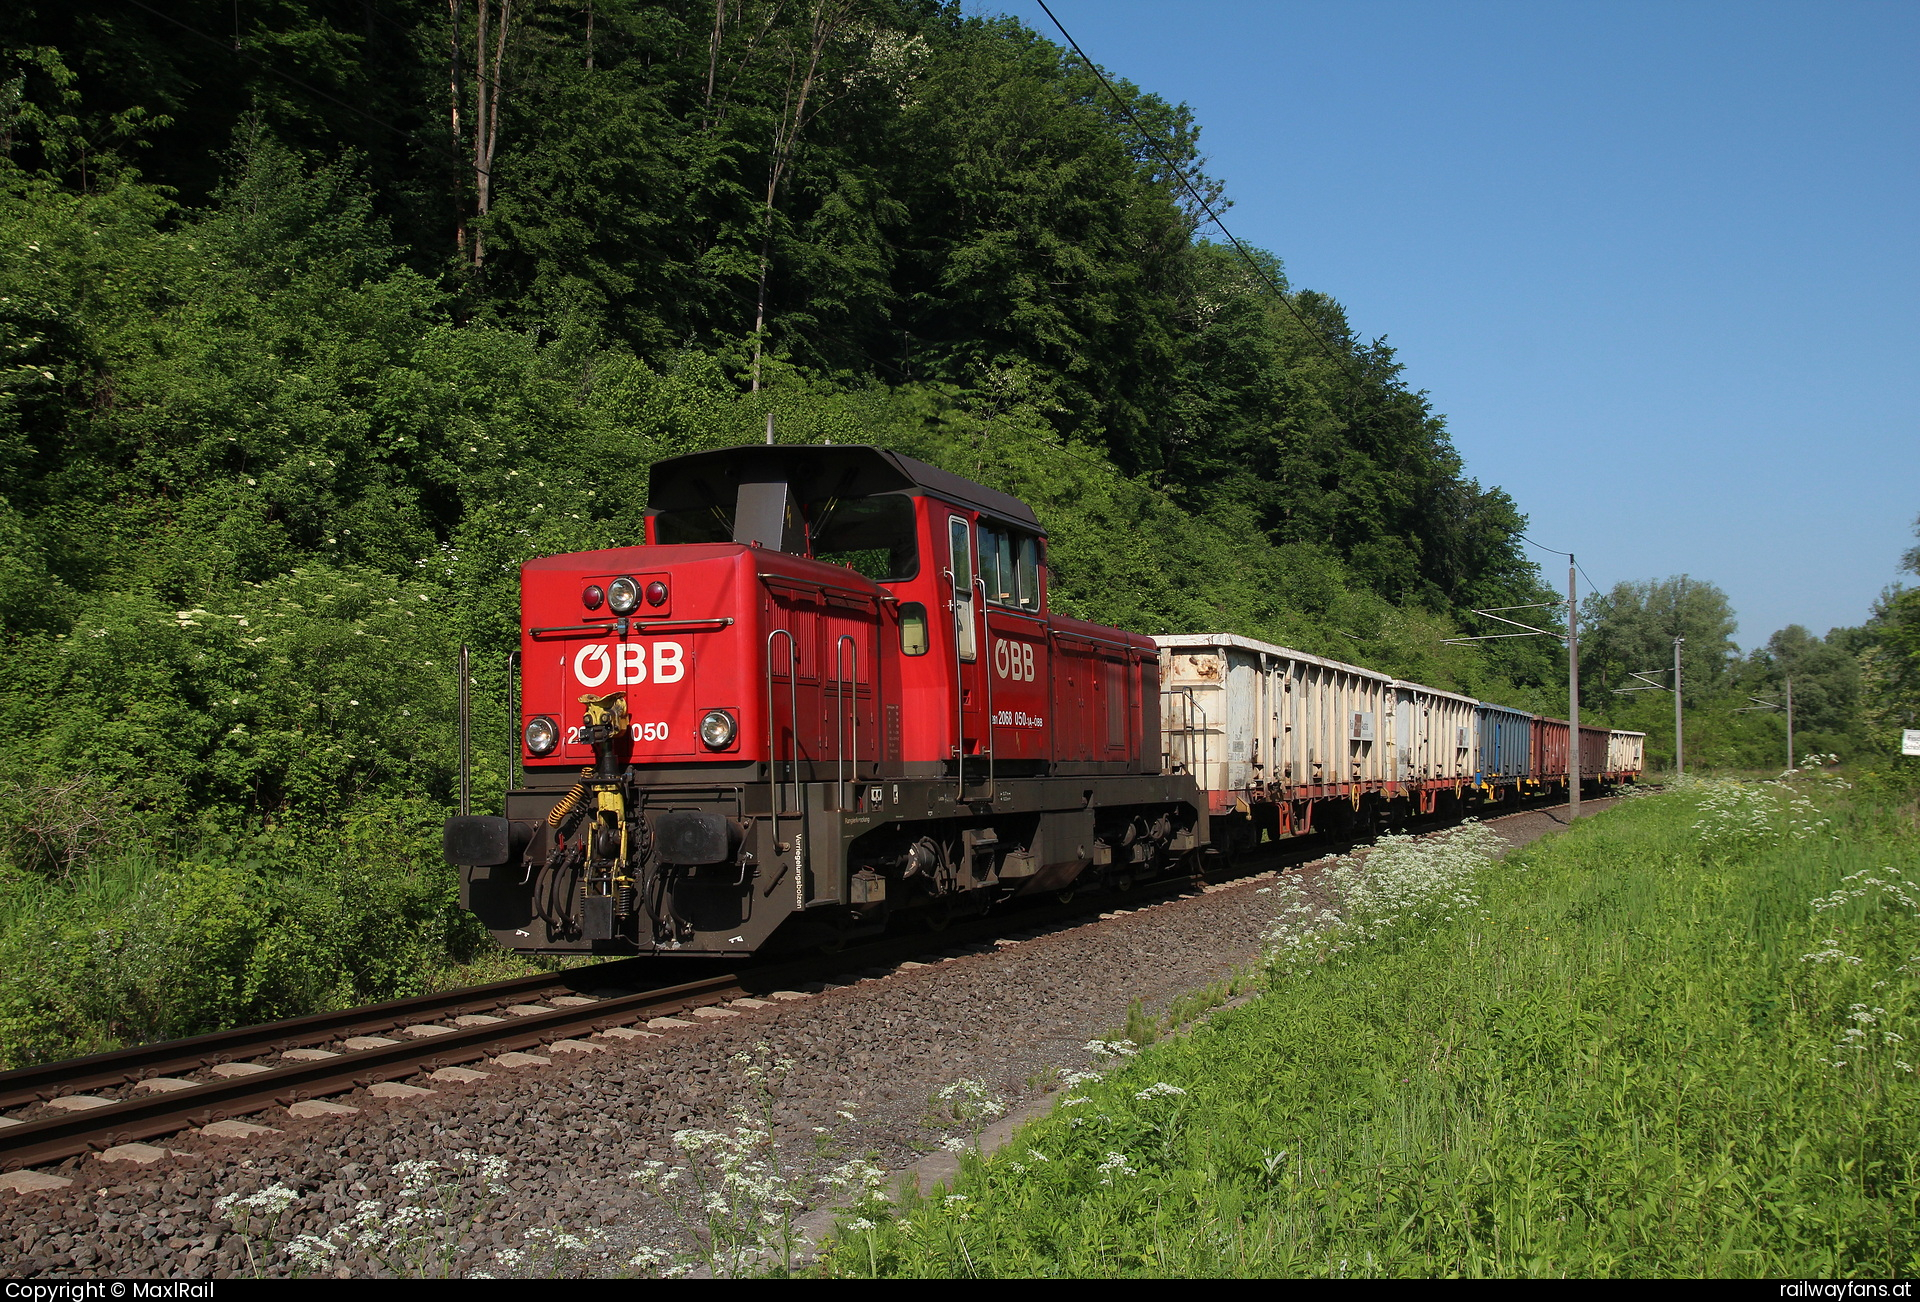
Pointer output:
x,y
238,930
1890,662
1631,629
1669,1045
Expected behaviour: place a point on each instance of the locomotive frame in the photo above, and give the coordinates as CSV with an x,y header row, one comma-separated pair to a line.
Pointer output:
x,y
830,691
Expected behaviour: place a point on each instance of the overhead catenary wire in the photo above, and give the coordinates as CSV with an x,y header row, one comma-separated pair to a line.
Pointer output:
x,y
1200,200
1591,585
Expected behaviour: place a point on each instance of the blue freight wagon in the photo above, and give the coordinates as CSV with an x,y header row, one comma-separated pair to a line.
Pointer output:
x,y
1503,754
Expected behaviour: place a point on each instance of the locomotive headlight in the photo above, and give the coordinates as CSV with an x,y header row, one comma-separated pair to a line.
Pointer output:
x,y
543,734
623,595
717,729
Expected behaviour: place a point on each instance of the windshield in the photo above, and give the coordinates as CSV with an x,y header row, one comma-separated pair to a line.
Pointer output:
x,y
874,535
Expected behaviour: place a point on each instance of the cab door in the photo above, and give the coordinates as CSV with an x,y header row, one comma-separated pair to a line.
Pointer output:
x,y
969,695
1014,659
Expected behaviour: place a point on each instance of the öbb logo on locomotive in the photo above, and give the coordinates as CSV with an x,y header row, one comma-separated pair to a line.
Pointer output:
x,y
764,726
1013,660
627,662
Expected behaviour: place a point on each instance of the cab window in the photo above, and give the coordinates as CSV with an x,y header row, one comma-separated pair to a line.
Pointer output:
x,y
1010,568
1029,574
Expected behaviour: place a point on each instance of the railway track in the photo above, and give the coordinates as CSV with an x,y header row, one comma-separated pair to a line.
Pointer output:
x,y
64,1109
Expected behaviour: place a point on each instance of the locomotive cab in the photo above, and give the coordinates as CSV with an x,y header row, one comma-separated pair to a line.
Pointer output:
x,y
826,689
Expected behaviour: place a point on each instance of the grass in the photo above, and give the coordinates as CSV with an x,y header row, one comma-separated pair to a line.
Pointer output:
x,y
1666,1043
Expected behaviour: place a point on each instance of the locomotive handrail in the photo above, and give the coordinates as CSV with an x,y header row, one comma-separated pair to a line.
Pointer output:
x,y
985,661
846,698
639,626
513,718
959,691
776,802
1068,634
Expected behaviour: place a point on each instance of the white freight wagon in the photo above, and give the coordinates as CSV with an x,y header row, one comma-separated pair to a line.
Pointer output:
x,y
1626,753
1247,717
1433,734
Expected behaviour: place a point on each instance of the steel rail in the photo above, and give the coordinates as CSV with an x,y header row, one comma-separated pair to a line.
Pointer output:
x,y
49,1139
24,1085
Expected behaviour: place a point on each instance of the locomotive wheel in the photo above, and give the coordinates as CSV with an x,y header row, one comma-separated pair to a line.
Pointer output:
x,y
1065,897
1123,882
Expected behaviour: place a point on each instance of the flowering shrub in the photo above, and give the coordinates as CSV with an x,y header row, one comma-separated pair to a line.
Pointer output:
x,y
1738,816
735,1197
1404,885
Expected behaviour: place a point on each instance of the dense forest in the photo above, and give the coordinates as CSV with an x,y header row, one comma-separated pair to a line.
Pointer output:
x,y
317,318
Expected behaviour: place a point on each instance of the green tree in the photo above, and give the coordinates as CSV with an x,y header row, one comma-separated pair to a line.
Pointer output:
x,y
1890,660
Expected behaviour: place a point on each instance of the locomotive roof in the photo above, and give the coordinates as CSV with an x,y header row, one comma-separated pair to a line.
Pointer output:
x,y
821,470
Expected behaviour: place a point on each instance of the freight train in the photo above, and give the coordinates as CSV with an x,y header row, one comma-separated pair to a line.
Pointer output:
x,y
829,692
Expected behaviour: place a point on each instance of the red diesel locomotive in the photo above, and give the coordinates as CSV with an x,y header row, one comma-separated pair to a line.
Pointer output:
x,y
827,690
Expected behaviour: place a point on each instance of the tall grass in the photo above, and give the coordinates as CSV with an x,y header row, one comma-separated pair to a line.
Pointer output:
x,y
1668,1042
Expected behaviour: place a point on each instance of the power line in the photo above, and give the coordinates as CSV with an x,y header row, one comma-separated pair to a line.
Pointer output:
x,y
1591,585
1200,199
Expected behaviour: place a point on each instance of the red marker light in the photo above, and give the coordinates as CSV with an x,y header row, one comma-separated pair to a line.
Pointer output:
x,y
656,593
593,596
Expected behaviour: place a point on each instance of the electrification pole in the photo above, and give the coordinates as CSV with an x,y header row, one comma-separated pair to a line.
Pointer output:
x,y
1573,697
1679,751
1789,723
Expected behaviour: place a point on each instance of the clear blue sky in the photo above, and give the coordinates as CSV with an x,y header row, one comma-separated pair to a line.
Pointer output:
x,y
1655,262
